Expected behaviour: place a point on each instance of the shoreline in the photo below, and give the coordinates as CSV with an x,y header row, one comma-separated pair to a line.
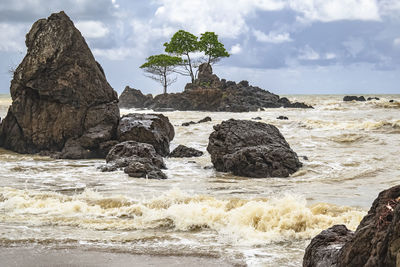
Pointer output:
x,y
60,257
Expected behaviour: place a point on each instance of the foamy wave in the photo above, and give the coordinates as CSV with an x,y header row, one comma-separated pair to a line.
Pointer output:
x,y
236,220
391,126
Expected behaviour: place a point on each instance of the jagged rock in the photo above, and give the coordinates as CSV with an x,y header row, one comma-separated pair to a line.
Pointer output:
x,y
205,119
137,160
372,98
353,98
282,118
376,241
251,149
133,98
182,151
60,94
209,93
154,129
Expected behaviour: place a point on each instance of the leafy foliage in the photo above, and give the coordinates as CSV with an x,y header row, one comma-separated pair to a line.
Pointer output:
x,y
159,67
211,47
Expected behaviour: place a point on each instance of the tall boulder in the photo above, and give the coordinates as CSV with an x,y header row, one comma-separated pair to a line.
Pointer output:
x,y
59,93
252,149
133,98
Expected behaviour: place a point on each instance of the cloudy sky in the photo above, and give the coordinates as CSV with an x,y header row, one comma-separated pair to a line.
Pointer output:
x,y
285,46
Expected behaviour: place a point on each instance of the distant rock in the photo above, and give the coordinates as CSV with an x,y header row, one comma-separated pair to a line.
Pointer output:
x,y
372,98
353,98
252,149
61,100
209,93
154,129
376,242
391,101
205,119
182,151
282,118
133,98
257,118
137,159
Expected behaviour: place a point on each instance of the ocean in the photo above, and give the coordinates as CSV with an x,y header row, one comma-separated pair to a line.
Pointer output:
x,y
353,154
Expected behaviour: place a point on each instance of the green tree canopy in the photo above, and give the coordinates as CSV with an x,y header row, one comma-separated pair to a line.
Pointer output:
x,y
159,67
212,48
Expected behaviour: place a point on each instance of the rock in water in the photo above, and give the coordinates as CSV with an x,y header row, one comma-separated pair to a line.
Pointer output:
x,y
154,129
252,149
133,98
59,93
185,152
353,98
376,242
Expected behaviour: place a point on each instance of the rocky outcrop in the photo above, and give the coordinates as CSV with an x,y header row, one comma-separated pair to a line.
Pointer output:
x,y
353,98
60,95
153,129
137,159
252,149
131,97
372,98
376,241
205,119
282,118
209,93
182,151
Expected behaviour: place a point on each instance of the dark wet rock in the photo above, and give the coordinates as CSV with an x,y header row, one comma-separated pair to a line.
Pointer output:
x,y
251,149
205,119
353,98
304,157
257,118
209,93
182,151
391,101
61,98
372,98
376,241
133,98
137,160
154,129
282,118
324,249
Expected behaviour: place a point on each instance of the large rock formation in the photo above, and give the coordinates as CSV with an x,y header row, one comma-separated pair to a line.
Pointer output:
x,y
154,129
376,241
60,94
137,159
209,93
252,149
131,97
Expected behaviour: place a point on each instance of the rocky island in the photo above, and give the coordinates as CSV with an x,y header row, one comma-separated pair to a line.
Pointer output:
x,y
209,93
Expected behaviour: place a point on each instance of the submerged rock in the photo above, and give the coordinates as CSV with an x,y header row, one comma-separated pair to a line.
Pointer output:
x,y
205,119
372,98
154,129
137,159
182,151
282,118
376,241
251,149
354,98
209,93
60,95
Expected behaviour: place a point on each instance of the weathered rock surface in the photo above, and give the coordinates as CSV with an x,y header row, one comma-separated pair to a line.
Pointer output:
x,y
60,95
182,151
137,159
205,119
353,98
131,97
251,149
154,129
209,93
376,241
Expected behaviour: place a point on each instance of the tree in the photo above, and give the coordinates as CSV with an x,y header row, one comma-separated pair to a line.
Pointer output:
x,y
212,48
159,67
182,44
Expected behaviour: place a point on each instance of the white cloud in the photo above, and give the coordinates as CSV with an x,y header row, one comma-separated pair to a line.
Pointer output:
x,y
236,49
272,37
92,29
12,37
308,53
226,18
330,56
119,53
332,10
396,42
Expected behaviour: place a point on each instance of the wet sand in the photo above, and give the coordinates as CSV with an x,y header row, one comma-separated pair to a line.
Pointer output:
x,y
35,257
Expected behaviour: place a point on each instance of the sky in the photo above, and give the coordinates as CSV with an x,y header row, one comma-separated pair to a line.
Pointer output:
x,y
284,46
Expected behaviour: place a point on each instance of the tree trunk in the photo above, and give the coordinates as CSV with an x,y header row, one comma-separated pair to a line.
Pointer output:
x,y
190,68
165,80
